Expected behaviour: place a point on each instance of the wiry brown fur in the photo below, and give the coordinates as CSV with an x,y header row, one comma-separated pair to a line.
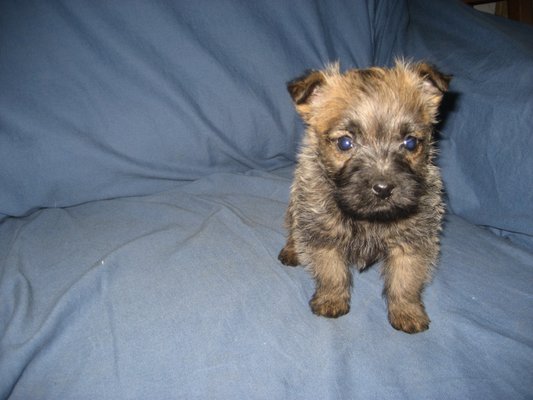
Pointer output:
x,y
335,217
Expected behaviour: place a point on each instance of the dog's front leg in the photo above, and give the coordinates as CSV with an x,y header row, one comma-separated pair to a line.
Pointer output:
x,y
333,283
405,273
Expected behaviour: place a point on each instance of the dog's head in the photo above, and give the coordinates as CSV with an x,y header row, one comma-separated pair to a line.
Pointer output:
x,y
371,131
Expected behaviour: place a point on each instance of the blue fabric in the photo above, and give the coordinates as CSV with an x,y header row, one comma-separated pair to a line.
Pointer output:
x,y
111,99
486,138
180,295
146,155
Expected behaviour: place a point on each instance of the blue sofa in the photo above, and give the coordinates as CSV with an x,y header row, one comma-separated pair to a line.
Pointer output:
x,y
146,155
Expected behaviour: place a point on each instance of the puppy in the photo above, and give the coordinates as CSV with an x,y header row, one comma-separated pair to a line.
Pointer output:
x,y
365,187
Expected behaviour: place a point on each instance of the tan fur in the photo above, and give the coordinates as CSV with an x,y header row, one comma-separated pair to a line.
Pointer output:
x,y
336,216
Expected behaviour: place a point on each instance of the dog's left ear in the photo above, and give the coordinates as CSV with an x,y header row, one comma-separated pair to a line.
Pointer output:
x,y
434,81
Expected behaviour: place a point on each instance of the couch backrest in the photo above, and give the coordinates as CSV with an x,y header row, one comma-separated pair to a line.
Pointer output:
x,y
486,146
109,99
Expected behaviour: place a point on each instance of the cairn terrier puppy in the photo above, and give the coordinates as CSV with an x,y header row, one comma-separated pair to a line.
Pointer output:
x,y
365,188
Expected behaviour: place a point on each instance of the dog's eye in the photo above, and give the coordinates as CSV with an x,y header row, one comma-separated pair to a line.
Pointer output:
x,y
410,143
344,143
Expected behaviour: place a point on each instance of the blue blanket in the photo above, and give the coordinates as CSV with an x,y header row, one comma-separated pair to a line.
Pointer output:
x,y
146,156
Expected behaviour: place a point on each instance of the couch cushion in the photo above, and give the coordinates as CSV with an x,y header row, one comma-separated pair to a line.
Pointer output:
x,y
180,295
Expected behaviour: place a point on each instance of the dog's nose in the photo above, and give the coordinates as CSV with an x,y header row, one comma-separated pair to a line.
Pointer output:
x,y
382,190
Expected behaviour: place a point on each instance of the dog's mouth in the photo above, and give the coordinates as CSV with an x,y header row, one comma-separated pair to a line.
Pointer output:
x,y
371,204
366,194
386,210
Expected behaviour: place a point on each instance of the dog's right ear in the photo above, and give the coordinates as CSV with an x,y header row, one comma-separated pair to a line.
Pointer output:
x,y
302,91
302,88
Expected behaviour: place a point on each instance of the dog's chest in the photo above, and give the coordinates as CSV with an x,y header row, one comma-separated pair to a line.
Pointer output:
x,y
366,246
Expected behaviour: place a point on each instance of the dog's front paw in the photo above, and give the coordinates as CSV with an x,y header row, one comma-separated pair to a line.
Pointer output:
x,y
409,318
330,307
